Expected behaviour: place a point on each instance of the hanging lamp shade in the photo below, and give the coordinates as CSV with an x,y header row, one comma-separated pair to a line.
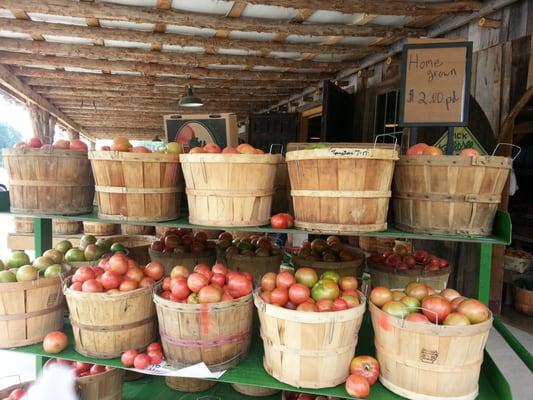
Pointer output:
x,y
190,100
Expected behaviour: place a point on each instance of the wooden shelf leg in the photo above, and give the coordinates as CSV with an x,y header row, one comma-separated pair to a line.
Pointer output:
x,y
485,265
43,235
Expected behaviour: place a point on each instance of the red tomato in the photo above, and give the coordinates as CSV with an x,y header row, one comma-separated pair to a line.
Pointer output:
x,y
367,367
357,386
98,271
279,296
281,221
268,282
219,279
128,285
324,305
455,302
306,276
118,263
416,317
226,297
110,280
166,283
348,283
80,367
146,282
285,279
339,305
307,307
154,270
127,357
141,361
265,296
231,273
76,286
239,286
92,286
299,293
474,310
350,300
248,275
380,295
204,270
83,274
210,294
219,269
155,356
165,294
179,288
132,263
97,369
196,281
155,346
436,308
134,274
17,394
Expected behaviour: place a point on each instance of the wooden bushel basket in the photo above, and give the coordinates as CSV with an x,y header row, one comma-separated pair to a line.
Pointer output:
x,y
105,325
523,301
127,229
229,189
65,227
382,275
137,246
343,268
188,385
343,188
4,393
217,334
254,391
449,194
258,266
23,224
98,228
308,349
189,260
427,361
137,186
30,310
49,181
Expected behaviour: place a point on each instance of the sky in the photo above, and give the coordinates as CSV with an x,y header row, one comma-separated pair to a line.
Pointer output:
x,y
16,115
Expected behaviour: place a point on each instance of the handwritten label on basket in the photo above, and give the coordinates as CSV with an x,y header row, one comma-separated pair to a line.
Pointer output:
x,y
348,152
52,300
199,370
429,356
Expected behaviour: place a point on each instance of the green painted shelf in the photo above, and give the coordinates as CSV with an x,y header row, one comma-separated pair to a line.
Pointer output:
x,y
250,371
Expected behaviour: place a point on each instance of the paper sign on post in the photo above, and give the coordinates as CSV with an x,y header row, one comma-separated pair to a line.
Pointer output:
x,y
199,371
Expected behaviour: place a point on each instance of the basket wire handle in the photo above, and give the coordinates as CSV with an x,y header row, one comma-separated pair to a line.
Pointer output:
x,y
275,145
508,144
392,135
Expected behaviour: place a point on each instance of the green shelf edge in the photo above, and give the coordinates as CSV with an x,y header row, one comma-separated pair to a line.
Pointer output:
x,y
502,226
492,384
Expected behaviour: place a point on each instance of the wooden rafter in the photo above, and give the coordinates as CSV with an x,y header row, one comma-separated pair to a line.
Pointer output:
x,y
14,84
153,15
150,69
99,34
37,75
173,99
147,56
384,7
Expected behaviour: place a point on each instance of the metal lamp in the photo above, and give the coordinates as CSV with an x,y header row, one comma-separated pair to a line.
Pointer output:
x,y
190,100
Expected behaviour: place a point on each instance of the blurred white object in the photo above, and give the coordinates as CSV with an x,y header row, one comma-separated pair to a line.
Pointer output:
x,y
57,382
513,185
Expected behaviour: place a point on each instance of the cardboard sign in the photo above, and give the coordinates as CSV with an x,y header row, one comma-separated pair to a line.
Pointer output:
x,y
462,139
435,84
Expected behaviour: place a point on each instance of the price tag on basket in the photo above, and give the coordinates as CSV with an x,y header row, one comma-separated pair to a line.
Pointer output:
x,y
199,371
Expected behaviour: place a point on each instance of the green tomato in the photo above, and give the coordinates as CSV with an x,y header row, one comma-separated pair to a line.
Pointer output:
x,y
335,277
325,289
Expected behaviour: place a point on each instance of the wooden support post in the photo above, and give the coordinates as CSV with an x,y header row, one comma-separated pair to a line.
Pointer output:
x,y
42,122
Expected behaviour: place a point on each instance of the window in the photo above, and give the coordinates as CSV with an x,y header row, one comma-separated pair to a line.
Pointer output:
x,y
387,113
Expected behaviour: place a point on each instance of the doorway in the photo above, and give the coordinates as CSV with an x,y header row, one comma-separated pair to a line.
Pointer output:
x,y
310,125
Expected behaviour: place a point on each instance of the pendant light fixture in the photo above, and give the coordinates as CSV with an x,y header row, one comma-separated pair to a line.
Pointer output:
x,y
190,100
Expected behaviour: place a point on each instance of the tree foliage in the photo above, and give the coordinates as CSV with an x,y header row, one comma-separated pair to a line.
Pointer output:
x,y
9,136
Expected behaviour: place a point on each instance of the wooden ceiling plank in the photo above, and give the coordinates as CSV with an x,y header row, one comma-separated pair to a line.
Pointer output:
x,y
94,33
14,84
153,15
22,59
146,56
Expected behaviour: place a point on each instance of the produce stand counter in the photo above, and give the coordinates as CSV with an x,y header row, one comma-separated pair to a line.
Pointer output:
x,y
492,384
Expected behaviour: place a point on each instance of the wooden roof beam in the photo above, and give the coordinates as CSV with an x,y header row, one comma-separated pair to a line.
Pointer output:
x,y
22,59
14,84
99,34
153,15
155,99
148,56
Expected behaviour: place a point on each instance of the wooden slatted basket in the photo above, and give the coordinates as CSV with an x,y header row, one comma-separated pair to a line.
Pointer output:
x,y
189,385
65,227
449,194
137,186
4,393
30,310
523,301
343,188
257,266
105,325
23,224
427,361
309,349
218,334
127,229
254,391
98,228
49,181
382,275
343,268
229,190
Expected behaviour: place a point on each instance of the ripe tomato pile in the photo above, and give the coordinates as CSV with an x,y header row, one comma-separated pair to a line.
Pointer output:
x,y
422,149
205,285
16,394
179,241
422,304
304,291
400,258
36,143
243,148
115,274
132,358
364,372
82,369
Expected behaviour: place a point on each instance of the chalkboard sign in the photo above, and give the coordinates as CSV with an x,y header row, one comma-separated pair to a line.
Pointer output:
x,y
435,84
